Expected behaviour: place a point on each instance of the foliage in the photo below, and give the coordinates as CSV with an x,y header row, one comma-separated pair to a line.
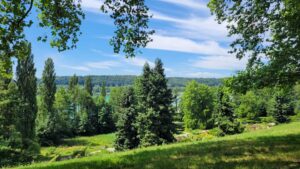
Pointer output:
x,y
115,100
27,89
282,107
127,136
264,31
131,20
63,106
73,81
86,114
88,85
297,98
10,137
225,117
63,19
252,106
105,119
197,105
103,90
155,119
48,129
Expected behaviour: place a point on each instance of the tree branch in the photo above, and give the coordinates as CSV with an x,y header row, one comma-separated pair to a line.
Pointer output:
x,y
26,14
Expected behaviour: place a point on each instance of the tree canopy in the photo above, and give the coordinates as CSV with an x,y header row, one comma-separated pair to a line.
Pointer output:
x,y
268,32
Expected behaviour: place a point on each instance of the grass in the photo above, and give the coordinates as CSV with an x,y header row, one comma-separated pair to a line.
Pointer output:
x,y
276,147
91,145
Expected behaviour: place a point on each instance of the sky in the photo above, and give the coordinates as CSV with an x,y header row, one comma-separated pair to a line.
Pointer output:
x,y
187,39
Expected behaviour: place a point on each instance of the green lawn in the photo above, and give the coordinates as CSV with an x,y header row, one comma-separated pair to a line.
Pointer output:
x,y
278,147
92,145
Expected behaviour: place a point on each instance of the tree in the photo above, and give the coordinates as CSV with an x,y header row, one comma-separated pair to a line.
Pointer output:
x,y
105,120
225,117
11,151
86,114
63,106
197,105
127,137
27,88
49,129
62,17
263,29
73,82
249,106
297,98
103,90
9,117
155,119
131,19
115,100
88,85
282,106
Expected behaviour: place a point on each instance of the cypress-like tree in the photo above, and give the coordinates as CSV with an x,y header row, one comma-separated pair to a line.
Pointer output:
x,y
27,87
49,123
74,93
127,137
73,82
103,90
155,106
88,85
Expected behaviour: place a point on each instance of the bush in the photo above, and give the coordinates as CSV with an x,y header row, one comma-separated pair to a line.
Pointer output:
x,y
269,119
11,157
230,127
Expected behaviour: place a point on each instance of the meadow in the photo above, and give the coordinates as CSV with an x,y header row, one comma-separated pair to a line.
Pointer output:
x,y
275,147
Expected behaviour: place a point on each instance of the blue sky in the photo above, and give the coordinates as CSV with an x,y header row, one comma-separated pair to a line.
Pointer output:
x,y
188,40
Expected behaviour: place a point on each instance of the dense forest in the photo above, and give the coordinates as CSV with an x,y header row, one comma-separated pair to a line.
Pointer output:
x,y
125,80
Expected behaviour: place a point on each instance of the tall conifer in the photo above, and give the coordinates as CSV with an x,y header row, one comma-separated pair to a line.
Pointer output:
x,y
27,87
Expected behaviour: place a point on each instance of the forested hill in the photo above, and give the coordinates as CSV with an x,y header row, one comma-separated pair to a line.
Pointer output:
x,y
123,80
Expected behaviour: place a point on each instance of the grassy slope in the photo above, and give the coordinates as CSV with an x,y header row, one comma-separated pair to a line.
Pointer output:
x,y
95,145
277,147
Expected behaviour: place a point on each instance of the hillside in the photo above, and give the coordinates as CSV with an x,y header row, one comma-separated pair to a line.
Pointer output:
x,y
124,80
276,147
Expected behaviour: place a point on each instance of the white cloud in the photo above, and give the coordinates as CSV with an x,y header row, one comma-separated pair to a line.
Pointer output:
x,y
201,28
186,45
227,62
103,64
102,53
138,61
80,68
194,4
92,5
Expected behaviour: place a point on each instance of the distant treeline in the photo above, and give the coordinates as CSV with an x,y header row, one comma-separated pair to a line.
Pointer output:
x,y
125,80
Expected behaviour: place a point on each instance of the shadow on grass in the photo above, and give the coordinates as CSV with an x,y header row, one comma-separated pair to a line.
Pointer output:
x,y
72,142
262,153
